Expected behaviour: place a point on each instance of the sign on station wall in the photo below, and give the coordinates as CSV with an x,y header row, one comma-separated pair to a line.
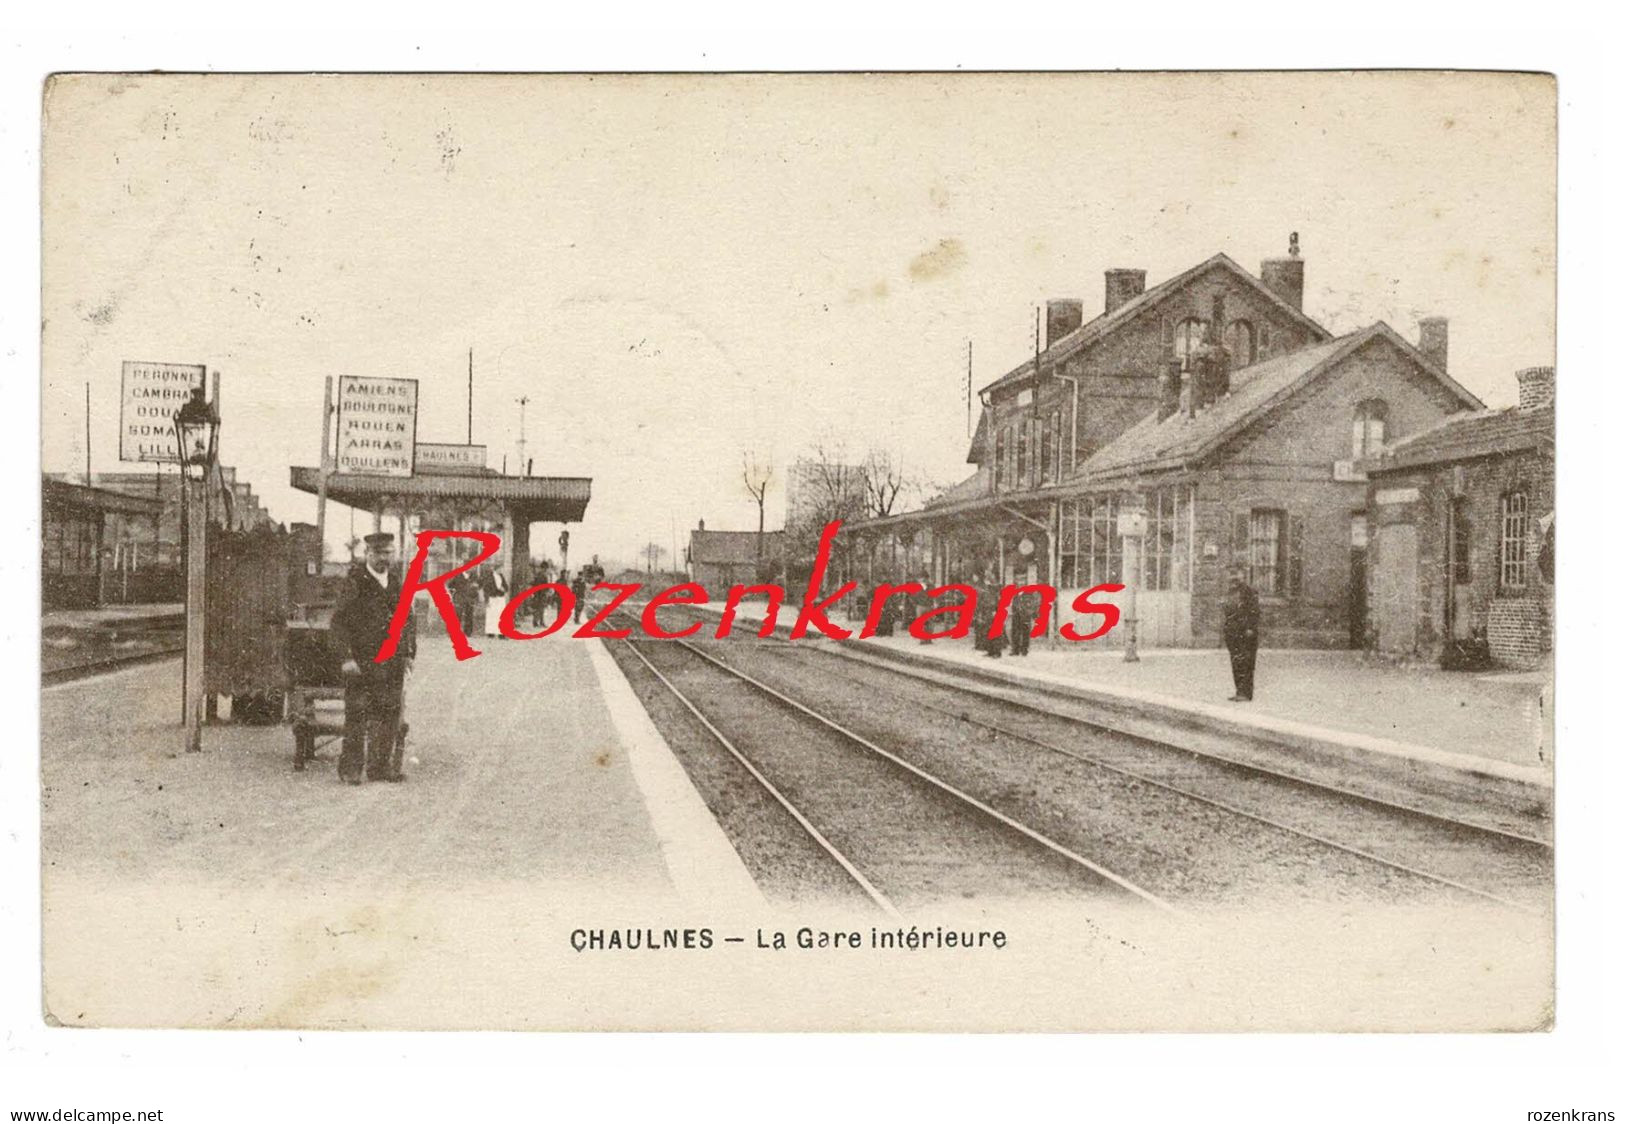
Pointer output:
x,y
450,460
150,396
378,424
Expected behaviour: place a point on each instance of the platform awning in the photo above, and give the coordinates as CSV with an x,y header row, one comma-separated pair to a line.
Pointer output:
x,y
532,499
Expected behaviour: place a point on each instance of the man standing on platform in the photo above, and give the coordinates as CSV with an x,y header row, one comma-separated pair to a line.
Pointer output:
x,y
1241,633
372,695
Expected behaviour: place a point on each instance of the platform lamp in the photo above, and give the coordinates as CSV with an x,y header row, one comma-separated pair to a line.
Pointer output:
x,y
197,433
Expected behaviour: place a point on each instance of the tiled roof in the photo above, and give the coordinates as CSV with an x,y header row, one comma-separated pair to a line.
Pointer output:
x,y
1480,433
1106,323
723,547
1254,391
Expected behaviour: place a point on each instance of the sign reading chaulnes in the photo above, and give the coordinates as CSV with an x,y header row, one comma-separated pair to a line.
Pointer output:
x,y
378,424
150,396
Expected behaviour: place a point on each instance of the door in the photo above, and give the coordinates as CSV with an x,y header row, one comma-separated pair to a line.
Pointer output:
x,y
1396,589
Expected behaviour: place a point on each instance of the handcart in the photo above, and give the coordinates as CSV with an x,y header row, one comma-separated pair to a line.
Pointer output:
x,y
316,683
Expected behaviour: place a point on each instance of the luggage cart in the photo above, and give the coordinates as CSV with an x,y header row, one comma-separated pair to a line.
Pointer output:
x,y
315,683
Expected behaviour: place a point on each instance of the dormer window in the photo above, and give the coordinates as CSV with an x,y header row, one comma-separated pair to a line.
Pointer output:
x,y
1187,338
1370,427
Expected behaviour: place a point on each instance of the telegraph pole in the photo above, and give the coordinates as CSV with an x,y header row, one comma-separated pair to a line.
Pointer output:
x,y
471,396
970,362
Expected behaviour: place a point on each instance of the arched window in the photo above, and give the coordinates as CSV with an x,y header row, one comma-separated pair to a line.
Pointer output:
x,y
1370,427
1187,337
1241,342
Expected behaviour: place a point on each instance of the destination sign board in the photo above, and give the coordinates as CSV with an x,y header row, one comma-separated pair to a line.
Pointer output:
x,y
378,424
150,396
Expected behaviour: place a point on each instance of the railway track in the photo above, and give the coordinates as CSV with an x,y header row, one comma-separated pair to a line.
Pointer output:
x,y
1473,860
106,666
901,834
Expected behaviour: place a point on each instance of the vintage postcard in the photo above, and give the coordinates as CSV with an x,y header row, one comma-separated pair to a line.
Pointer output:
x,y
980,552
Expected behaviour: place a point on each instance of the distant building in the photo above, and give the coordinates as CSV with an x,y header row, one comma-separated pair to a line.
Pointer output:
x,y
1463,531
719,559
139,548
73,559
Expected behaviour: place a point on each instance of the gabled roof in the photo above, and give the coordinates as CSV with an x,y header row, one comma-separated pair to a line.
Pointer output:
x,y
1465,436
1180,440
728,547
1106,323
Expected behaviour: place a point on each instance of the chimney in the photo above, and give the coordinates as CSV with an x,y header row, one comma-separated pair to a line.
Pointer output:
x,y
1061,317
1122,286
702,524
1537,387
1433,340
1168,391
1284,276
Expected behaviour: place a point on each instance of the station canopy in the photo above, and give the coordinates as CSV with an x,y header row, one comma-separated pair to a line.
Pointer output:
x,y
530,499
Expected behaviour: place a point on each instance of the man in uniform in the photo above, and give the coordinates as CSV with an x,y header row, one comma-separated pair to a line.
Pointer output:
x,y
372,695
1241,633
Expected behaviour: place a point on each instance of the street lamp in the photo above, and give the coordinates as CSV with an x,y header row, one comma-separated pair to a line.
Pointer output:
x,y
197,431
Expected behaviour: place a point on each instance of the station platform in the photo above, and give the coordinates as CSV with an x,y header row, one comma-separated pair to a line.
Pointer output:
x,y
1475,741
538,798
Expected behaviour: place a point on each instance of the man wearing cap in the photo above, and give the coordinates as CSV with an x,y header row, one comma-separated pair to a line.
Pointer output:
x,y
1241,633
372,696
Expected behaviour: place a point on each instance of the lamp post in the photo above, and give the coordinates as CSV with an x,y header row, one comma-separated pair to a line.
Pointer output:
x,y
1131,524
197,432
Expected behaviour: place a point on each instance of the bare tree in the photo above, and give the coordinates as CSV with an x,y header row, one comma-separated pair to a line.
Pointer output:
x,y
652,553
884,482
758,477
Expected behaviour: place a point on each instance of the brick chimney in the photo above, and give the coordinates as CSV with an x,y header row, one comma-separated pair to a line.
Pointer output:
x,y
1061,317
1537,387
1122,286
1433,340
1284,276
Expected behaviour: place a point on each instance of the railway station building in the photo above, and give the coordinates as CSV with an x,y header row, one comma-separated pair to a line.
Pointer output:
x,y
1462,534
1214,404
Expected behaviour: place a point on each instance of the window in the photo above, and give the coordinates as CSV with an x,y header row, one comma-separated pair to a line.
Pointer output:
x,y
1023,439
1370,427
1046,464
1091,551
1055,441
1187,337
1161,518
1240,341
1264,550
1514,540
1001,444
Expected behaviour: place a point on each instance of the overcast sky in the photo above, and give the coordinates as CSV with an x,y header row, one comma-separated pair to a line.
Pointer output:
x,y
679,269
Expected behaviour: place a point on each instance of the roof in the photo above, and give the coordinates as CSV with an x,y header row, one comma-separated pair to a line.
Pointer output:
x,y
61,493
978,444
1175,441
724,547
1467,435
551,499
1106,323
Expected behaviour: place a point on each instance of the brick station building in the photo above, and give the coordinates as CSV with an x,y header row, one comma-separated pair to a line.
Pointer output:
x,y
1464,522
1215,404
